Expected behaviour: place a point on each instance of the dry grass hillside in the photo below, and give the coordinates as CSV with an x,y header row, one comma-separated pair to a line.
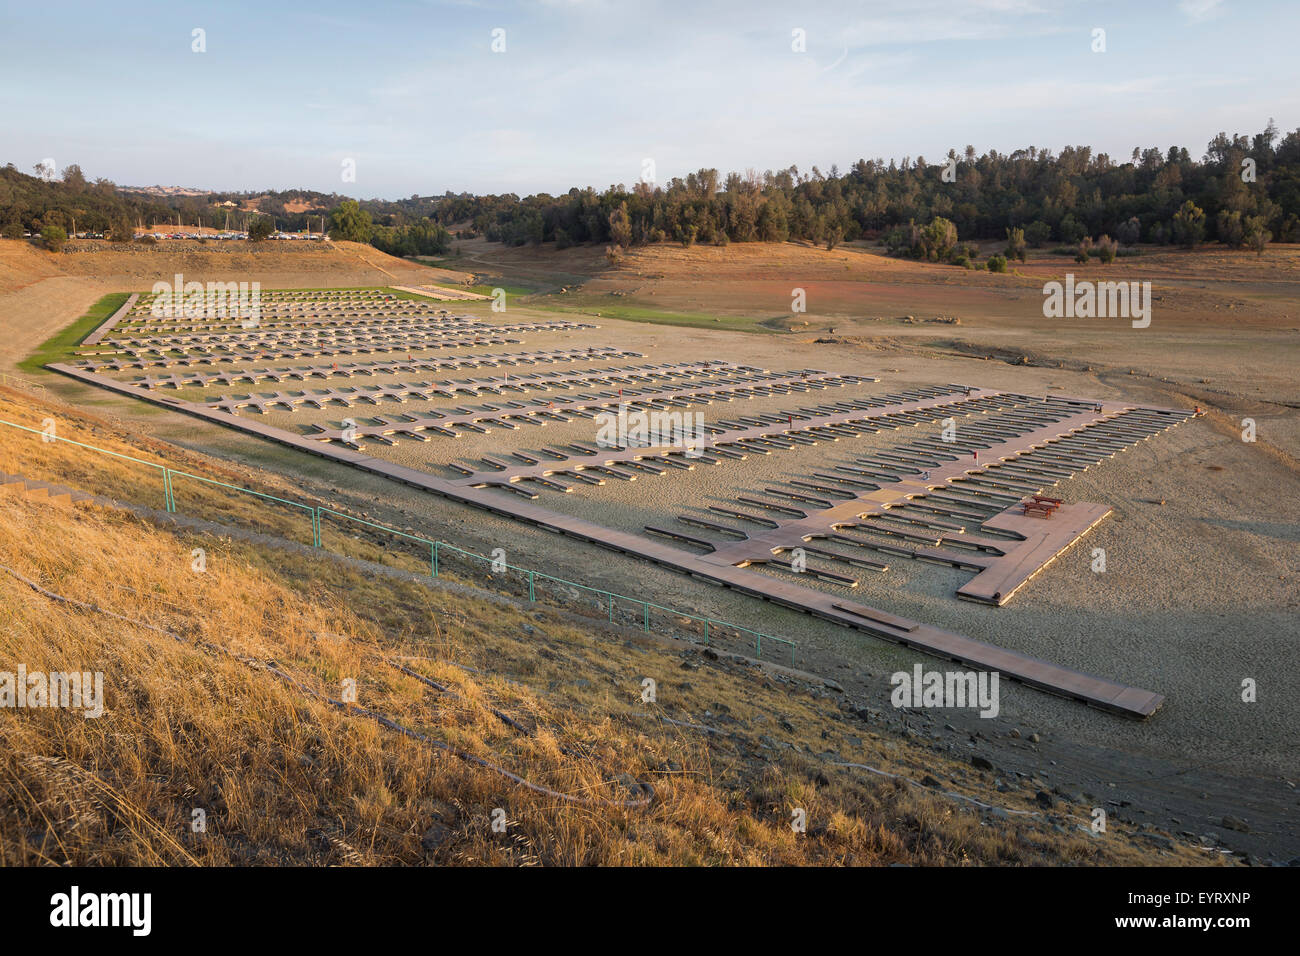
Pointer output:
x,y
222,693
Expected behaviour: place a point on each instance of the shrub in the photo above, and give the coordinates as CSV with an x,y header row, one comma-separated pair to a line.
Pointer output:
x,y
1107,249
54,238
1037,233
996,263
261,228
1016,244
1189,225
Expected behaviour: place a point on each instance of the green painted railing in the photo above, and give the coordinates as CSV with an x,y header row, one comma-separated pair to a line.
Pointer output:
x,y
317,513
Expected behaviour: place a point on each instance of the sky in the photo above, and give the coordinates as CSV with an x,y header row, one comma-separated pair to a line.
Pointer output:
x,y
410,97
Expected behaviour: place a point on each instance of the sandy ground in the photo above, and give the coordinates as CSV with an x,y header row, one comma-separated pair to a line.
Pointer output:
x,y
1200,593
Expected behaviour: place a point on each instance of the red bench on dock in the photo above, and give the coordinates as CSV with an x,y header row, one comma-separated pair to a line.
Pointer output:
x,y
1041,506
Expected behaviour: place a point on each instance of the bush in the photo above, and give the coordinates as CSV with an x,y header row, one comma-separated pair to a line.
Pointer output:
x,y
13,230
147,241
1188,225
1107,249
54,238
996,263
259,229
1016,244
1037,233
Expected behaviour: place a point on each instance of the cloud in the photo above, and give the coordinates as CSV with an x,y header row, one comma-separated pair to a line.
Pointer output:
x,y
1199,11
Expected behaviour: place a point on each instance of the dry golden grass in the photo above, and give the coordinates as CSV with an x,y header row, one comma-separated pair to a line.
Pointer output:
x,y
218,687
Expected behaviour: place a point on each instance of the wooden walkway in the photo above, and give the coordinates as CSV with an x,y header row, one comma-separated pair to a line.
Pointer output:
x,y
947,645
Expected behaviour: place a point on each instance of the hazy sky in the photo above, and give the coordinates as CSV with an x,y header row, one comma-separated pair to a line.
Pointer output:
x,y
587,90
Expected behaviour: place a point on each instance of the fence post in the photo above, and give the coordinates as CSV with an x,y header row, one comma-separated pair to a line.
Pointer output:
x,y
435,559
647,616
758,644
611,606
531,595
706,633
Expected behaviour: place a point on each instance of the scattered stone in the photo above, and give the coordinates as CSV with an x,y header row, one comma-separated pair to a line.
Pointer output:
x,y
982,763
1235,823
435,836
1044,799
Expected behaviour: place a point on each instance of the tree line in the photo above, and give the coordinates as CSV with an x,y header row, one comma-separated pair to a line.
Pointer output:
x,y
1242,188
1243,191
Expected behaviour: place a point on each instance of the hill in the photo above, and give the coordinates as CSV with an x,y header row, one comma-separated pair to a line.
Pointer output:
x,y
222,695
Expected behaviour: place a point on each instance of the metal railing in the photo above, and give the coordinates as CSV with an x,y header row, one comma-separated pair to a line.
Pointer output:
x,y
707,629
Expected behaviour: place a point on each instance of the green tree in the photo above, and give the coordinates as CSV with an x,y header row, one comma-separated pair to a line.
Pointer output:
x,y
1129,231
54,237
1230,229
620,227
1189,225
1016,244
938,239
120,230
1256,236
1037,233
350,223
996,263
260,228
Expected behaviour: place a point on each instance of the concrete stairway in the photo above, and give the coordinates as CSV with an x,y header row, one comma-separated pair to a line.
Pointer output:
x,y
43,491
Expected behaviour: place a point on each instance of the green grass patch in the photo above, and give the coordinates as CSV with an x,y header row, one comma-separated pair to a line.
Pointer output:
x,y
59,347
453,263
512,291
633,313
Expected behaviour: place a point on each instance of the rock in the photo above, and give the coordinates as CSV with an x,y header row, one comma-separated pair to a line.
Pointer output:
x,y
1034,738
435,836
1235,823
929,781
1161,841
1044,799
1015,733
981,763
